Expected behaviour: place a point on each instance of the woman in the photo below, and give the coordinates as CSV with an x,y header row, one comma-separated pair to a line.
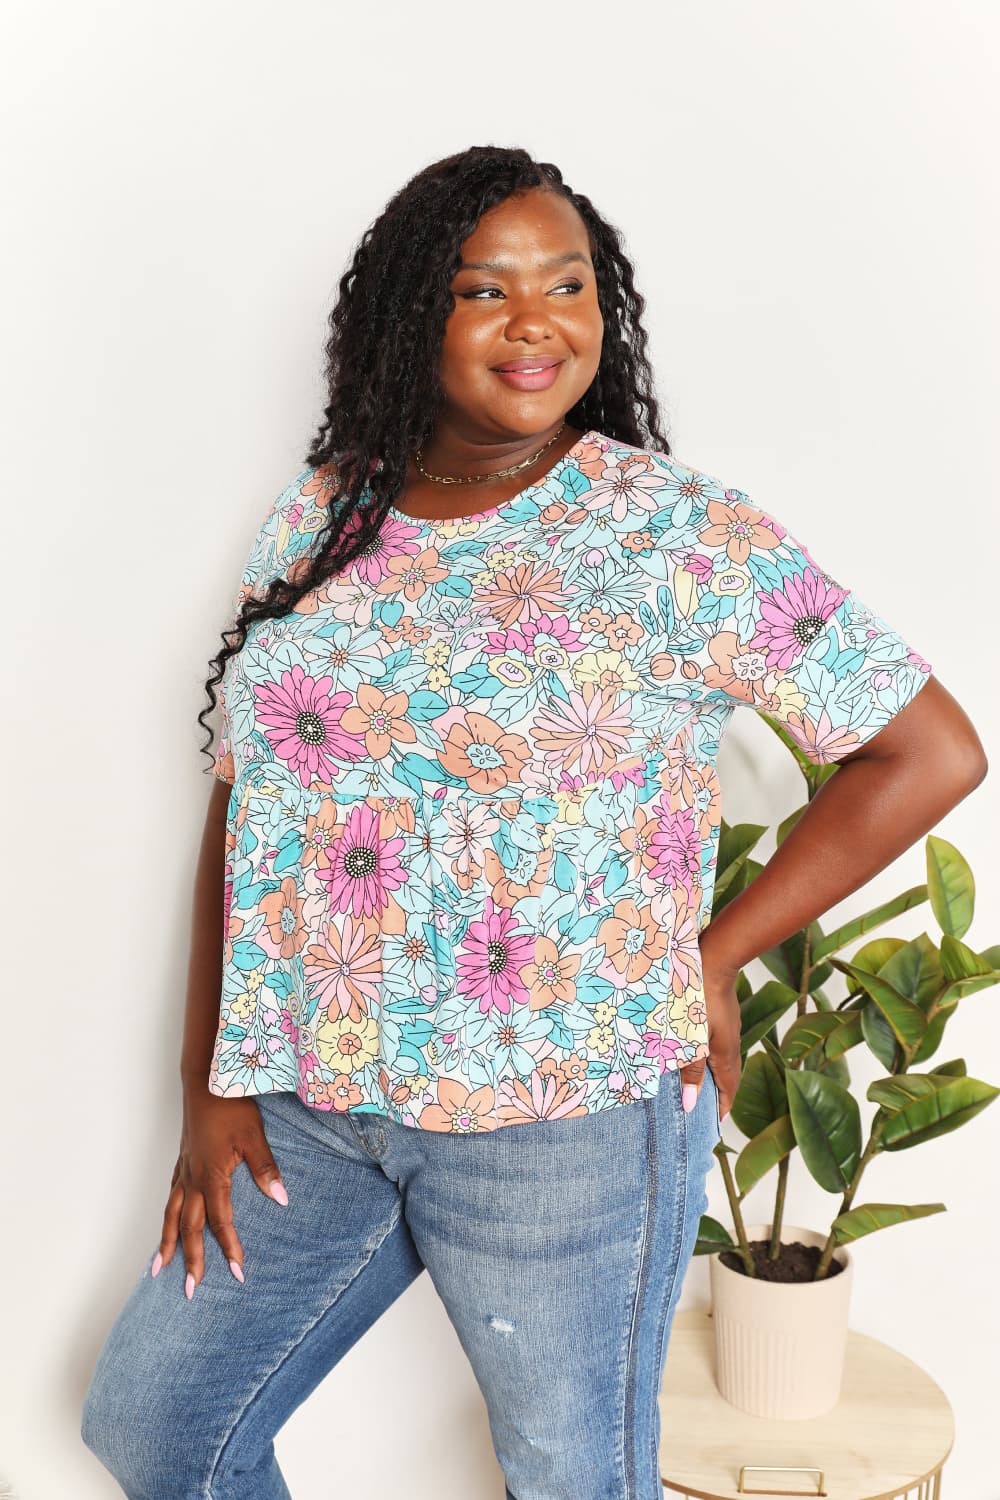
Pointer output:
x,y
466,819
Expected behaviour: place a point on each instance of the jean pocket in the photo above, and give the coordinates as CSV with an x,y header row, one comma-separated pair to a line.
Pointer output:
x,y
709,1081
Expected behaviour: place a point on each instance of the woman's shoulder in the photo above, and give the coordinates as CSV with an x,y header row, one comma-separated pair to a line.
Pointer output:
x,y
648,483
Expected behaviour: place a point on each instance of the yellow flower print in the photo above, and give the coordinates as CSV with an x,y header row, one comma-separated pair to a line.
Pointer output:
x,y
570,805
511,672
347,1046
243,1006
601,1038
688,1014
790,697
604,1013
607,669
437,653
438,679
729,583
255,979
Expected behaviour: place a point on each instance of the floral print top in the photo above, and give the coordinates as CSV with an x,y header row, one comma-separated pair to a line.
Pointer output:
x,y
474,815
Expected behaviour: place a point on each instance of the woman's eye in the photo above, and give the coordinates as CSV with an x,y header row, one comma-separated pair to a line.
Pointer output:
x,y
573,286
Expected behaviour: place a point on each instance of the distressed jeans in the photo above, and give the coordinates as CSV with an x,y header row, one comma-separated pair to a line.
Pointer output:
x,y
558,1249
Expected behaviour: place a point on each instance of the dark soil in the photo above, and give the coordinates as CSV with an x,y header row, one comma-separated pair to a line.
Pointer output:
x,y
796,1262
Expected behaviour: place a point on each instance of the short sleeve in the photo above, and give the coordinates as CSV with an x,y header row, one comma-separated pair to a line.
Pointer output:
x,y
286,529
785,638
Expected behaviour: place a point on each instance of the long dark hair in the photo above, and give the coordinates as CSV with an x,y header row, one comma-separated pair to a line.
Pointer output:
x,y
386,330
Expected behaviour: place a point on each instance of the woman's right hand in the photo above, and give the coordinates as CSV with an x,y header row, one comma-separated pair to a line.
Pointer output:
x,y
217,1134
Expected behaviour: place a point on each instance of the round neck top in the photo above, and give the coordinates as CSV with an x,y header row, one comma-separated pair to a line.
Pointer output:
x,y
548,479
474,819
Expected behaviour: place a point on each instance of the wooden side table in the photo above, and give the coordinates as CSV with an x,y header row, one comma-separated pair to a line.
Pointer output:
x,y
887,1437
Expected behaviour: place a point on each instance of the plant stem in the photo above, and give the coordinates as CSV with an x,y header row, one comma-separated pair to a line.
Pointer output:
x,y
774,1249
734,1208
823,1265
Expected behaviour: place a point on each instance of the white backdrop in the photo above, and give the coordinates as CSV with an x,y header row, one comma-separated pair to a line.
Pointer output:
x,y
809,194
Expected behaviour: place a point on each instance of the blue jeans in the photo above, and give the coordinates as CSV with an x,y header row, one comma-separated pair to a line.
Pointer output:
x,y
558,1250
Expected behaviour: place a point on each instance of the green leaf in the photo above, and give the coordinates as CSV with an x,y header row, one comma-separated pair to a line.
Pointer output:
x,y
837,1069
766,1149
950,885
961,962
954,1069
827,1125
868,1217
884,913
876,952
761,1097
918,1107
914,970
763,1010
817,1037
735,845
880,1037
907,1020
932,1036
712,1236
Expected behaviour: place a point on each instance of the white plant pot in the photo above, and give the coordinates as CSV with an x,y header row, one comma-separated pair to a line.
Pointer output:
x,y
779,1346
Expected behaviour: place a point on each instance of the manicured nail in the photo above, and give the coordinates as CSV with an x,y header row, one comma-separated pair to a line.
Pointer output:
x,y
277,1191
189,1286
234,1266
157,1265
689,1096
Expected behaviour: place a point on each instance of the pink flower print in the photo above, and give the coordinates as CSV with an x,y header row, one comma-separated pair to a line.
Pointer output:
x,y
302,724
364,868
626,484
793,616
590,731
489,968
675,847
549,640
395,540
665,1049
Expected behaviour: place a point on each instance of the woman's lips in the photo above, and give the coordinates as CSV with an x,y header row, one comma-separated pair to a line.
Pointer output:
x,y
530,380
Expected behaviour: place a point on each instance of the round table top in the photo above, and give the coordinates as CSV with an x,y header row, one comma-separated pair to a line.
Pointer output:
x,y
892,1427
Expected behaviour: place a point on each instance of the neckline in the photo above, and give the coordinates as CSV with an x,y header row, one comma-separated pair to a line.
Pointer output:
x,y
565,461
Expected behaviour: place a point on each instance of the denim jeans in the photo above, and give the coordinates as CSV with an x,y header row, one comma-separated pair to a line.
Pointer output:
x,y
557,1248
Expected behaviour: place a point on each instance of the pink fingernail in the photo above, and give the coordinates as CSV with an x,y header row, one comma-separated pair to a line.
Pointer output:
x,y
689,1096
277,1191
189,1286
234,1266
157,1265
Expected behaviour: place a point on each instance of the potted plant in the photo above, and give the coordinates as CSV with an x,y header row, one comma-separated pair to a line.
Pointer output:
x,y
780,1293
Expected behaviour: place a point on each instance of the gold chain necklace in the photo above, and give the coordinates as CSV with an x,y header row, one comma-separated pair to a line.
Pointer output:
x,y
496,474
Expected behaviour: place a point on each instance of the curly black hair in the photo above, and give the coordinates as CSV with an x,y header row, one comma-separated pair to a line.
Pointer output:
x,y
382,352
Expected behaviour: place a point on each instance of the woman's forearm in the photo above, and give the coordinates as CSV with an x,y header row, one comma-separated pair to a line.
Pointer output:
x,y
201,1015
861,819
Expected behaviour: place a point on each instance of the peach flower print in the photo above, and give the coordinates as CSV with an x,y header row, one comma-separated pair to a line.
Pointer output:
x,y
484,754
380,720
736,666
633,941
411,575
345,971
283,919
551,976
522,593
548,1098
459,1111
738,528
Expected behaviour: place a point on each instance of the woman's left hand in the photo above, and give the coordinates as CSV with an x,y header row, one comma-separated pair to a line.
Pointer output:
x,y
724,1032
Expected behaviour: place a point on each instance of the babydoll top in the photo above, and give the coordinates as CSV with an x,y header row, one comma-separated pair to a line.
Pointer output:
x,y
475,814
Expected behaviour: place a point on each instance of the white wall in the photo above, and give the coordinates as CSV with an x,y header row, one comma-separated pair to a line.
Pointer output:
x,y
809,194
